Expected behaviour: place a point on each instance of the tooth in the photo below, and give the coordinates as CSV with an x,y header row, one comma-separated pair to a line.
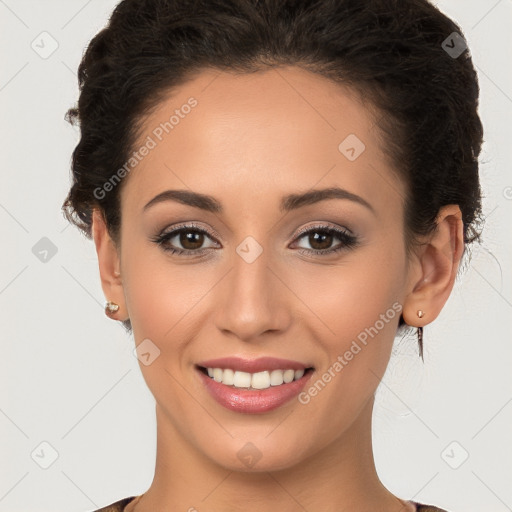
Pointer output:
x,y
288,376
260,380
227,377
242,380
276,377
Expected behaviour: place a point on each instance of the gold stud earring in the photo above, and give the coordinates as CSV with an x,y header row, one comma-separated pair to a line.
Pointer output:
x,y
420,313
111,307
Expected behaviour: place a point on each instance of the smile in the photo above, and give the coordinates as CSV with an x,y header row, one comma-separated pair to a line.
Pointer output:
x,y
253,386
259,380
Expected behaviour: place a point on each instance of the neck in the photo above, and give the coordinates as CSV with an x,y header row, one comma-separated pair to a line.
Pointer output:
x,y
342,476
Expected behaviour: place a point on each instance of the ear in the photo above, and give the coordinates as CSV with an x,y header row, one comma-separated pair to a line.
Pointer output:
x,y
109,265
434,269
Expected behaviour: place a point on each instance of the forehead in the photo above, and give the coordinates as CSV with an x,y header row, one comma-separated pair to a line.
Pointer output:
x,y
266,132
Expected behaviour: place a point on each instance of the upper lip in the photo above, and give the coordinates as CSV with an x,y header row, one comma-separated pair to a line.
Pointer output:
x,y
253,365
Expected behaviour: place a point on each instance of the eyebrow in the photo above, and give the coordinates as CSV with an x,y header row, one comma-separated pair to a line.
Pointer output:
x,y
288,203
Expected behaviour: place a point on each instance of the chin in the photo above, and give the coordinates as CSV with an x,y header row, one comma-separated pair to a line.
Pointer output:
x,y
261,454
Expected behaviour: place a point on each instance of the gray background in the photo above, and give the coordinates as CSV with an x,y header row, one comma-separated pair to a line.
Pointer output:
x,y
69,378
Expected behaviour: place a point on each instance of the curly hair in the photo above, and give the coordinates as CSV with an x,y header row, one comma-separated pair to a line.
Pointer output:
x,y
423,98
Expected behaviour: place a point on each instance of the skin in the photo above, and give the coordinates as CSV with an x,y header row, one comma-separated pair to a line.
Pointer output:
x,y
251,140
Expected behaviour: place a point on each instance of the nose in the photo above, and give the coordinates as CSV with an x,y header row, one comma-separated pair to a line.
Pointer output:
x,y
252,300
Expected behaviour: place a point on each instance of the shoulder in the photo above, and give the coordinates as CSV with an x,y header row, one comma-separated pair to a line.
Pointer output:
x,y
421,507
118,506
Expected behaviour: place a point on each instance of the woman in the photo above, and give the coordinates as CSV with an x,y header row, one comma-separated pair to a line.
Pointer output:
x,y
275,191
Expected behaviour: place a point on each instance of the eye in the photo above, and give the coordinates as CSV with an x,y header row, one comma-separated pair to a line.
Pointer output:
x,y
321,238
189,236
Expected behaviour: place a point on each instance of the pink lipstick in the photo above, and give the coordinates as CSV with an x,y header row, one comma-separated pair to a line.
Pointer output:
x,y
253,385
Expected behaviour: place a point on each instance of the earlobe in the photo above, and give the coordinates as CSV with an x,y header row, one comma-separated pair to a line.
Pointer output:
x,y
435,269
109,267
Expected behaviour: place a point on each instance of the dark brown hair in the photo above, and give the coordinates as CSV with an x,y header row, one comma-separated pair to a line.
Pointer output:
x,y
392,52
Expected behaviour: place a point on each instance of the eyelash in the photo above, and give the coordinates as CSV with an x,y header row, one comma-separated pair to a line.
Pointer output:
x,y
348,241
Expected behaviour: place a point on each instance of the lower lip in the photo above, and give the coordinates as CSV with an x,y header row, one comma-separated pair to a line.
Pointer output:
x,y
253,401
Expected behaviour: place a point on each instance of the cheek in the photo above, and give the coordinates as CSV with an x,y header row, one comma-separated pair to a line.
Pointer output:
x,y
358,355
359,306
359,293
161,295
163,301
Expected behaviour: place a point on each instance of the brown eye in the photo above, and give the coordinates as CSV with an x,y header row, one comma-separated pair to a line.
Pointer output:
x,y
184,240
191,240
321,239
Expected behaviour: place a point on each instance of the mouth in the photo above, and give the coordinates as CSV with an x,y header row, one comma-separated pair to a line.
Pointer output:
x,y
270,384
254,381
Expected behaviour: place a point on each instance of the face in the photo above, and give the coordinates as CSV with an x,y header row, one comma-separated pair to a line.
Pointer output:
x,y
259,271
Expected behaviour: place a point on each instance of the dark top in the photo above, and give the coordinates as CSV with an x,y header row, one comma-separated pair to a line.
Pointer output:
x,y
118,506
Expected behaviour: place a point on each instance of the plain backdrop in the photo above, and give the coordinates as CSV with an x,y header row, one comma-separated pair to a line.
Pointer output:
x,y
77,426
